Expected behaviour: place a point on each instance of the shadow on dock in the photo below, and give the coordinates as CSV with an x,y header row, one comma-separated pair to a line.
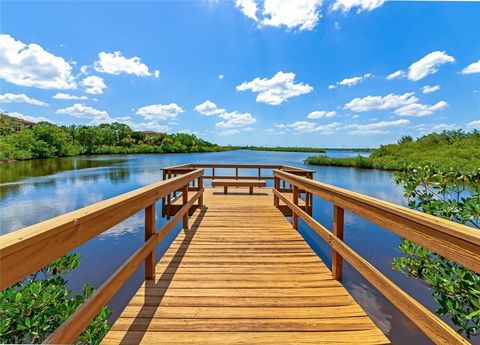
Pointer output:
x,y
148,309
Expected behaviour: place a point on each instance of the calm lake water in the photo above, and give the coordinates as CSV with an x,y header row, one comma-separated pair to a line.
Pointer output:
x,y
33,191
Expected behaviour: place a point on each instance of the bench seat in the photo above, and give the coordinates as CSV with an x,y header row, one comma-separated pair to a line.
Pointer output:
x,y
238,183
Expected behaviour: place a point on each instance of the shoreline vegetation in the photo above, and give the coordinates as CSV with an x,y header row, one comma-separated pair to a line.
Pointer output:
x,y
457,150
21,141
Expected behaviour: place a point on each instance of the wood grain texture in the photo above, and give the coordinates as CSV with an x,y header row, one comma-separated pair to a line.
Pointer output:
x,y
452,240
435,328
27,250
240,274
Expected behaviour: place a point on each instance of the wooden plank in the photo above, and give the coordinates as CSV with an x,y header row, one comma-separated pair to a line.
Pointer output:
x,y
25,251
239,183
429,323
266,338
241,270
81,318
452,240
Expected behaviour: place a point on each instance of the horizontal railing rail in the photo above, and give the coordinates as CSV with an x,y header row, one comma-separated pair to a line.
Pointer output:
x,y
454,241
25,251
181,169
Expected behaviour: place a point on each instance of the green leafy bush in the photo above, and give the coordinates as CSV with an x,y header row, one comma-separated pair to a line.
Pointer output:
x,y
33,308
456,149
455,196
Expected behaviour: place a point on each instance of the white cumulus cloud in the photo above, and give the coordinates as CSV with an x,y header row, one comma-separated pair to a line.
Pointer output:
x,y
248,7
395,75
474,124
429,64
309,127
67,96
160,111
276,90
235,119
20,98
382,127
430,89
320,114
301,14
116,63
208,108
94,85
29,118
85,112
381,102
360,5
31,65
351,81
472,68
417,109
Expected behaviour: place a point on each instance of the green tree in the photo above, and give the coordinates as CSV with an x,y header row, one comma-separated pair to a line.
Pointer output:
x,y
33,308
455,196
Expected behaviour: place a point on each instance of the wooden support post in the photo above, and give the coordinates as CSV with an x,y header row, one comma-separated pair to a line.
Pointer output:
x,y
276,185
338,225
295,201
149,232
250,190
185,201
225,190
164,176
200,186
236,173
213,173
259,173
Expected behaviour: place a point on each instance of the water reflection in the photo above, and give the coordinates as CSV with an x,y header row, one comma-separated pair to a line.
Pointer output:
x,y
38,190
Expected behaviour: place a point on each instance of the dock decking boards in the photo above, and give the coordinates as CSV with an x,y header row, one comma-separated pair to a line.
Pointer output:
x,y
242,275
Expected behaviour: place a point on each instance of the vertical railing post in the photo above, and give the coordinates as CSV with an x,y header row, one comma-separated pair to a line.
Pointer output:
x,y
259,173
200,186
236,173
338,226
185,201
276,185
164,177
149,232
294,214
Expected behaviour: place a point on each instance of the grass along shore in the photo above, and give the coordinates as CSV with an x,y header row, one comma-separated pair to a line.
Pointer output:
x,y
450,149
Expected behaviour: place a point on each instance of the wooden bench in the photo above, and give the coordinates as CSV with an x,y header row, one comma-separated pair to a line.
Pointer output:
x,y
238,183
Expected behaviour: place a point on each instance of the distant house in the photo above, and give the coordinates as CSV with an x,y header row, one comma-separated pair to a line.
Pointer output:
x,y
150,133
16,124
24,124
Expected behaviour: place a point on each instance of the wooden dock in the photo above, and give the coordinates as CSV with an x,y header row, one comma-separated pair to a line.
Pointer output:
x,y
240,274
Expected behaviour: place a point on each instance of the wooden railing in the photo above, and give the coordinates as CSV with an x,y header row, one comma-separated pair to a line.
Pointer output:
x,y
254,171
453,241
25,251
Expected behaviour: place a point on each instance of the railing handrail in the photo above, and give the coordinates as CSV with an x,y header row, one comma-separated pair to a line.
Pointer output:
x,y
384,214
234,165
25,251
454,241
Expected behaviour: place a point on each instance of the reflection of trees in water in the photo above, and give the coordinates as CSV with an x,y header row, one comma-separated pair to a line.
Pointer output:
x,y
15,171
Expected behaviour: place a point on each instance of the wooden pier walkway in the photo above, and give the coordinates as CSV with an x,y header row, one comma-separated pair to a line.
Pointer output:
x,y
240,274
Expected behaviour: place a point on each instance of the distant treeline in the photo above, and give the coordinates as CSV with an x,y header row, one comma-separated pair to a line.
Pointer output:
x,y
299,149
283,149
450,149
46,140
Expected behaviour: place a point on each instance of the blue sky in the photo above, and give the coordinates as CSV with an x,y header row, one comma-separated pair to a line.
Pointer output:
x,y
299,73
